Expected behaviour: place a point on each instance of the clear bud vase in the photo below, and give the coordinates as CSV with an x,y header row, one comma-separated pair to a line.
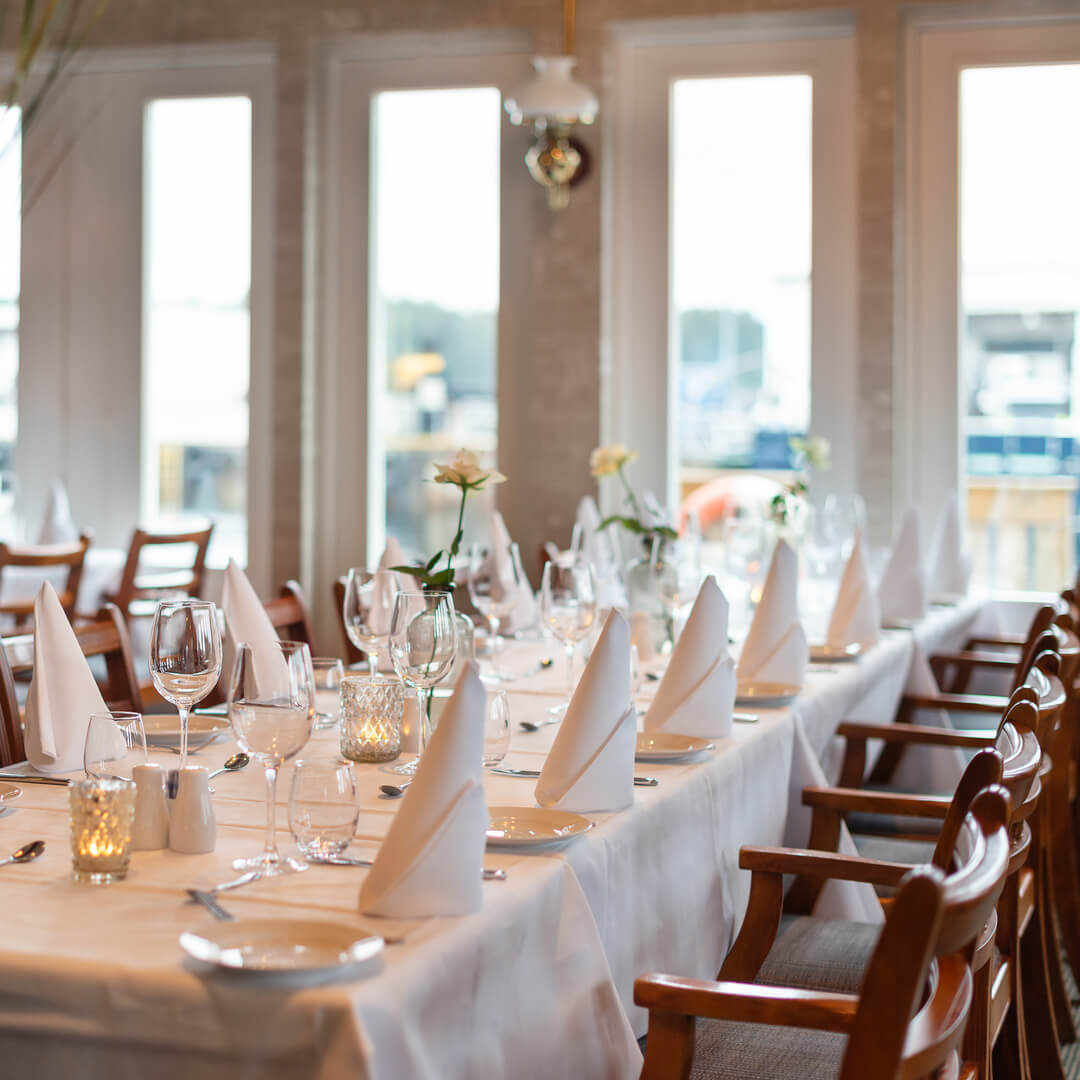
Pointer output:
x,y
652,585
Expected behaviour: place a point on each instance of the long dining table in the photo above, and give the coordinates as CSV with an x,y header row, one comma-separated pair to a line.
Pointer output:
x,y
539,983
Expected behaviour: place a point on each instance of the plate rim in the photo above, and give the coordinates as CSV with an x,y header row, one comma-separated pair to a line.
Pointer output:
x,y
674,754
10,795
502,842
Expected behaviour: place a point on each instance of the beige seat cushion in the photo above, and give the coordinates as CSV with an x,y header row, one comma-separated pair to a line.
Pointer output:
x,y
730,1051
819,954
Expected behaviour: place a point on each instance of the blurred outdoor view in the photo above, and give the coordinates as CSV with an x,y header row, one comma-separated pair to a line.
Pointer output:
x,y
10,237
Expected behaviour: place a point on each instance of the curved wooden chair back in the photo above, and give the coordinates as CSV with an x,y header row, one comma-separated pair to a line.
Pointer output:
x,y
12,745
289,615
352,654
151,586
982,771
45,557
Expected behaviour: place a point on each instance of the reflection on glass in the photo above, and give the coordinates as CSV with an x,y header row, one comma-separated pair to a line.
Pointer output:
x,y
1020,299
196,319
741,266
435,276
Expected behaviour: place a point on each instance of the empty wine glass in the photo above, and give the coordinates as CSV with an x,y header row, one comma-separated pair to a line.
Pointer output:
x,y
494,581
369,598
568,610
422,648
185,656
114,740
323,807
844,516
272,709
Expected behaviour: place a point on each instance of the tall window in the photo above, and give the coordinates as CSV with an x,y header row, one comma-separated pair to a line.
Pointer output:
x,y
1020,319
434,303
196,314
740,269
10,236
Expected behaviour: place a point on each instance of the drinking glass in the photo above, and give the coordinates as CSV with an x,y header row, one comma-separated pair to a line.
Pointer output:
x,y
329,671
422,647
112,738
568,610
185,656
844,516
271,709
323,807
494,595
369,595
496,727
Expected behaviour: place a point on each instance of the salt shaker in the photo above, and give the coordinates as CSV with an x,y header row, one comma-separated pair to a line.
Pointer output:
x,y
150,832
193,828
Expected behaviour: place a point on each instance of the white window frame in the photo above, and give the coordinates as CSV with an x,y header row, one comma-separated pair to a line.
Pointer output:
x,y
346,521
929,450
81,312
639,397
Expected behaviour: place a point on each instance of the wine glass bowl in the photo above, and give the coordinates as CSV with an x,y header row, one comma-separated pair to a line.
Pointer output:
x,y
568,609
493,582
369,597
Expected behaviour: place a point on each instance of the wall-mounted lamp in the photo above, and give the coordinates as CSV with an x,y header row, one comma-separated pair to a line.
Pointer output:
x,y
554,102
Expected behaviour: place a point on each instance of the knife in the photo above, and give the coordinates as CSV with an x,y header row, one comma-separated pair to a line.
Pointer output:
x,y
639,781
345,860
207,900
56,781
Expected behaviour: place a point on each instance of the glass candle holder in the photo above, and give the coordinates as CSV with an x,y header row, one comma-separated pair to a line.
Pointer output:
x,y
102,813
372,707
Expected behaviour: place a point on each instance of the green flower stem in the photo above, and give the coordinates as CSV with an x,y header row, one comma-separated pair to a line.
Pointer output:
x,y
631,497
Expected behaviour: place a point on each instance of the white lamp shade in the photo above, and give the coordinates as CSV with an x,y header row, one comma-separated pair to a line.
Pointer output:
x,y
553,94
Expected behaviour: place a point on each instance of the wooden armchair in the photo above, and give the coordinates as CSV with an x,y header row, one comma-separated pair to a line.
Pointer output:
x,y
352,654
45,557
908,1015
289,615
140,589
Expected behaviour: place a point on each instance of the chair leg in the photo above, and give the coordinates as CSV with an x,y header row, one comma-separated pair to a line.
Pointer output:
x,y
976,1046
669,1049
1063,1018
1040,1028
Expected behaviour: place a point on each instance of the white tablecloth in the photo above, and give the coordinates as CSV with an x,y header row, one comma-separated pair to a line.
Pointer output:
x,y
101,574
538,984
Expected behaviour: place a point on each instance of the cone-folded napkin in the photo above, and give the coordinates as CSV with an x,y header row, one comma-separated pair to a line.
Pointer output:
x,y
775,649
902,589
855,616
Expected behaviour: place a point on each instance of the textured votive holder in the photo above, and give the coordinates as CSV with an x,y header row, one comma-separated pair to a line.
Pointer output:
x,y
372,708
102,813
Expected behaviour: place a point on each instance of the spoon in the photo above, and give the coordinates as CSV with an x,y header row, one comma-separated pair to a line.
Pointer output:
x,y
392,791
26,853
232,764
536,725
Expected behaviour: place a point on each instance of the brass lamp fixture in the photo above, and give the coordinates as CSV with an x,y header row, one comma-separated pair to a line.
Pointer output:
x,y
554,102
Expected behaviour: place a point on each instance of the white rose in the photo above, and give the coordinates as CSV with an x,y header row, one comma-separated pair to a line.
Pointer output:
x,y
607,460
465,471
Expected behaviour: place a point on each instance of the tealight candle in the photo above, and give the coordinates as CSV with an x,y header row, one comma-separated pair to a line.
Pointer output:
x,y
372,707
102,812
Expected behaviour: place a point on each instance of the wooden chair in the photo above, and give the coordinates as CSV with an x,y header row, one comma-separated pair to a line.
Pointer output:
x,y
46,557
908,1016
289,615
138,593
105,636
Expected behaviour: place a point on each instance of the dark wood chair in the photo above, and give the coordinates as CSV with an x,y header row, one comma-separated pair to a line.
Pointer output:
x,y
45,557
352,654
289,615
908,1015
104,637
141,588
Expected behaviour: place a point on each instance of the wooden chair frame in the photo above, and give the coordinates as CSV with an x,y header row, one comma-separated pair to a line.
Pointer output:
x,y
44,557
129,590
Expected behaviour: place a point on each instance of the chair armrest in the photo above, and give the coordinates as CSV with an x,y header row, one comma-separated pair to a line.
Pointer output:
x,y
1000,641
956,702
747,1002
821,864
976,659
917,733
855,800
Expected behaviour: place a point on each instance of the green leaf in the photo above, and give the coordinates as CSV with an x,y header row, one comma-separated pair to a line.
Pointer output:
x,y
666,532
413,571
432,561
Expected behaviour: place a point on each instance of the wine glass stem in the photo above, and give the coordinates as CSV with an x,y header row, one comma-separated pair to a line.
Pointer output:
x,y
373,662
494,622
423,697
183,710
270,850
570,649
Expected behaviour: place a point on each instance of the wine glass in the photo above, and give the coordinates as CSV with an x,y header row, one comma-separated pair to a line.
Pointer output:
x,y
494,594
185,656
272,709
844,516
568,610
113,738
369,596
329,671
422,648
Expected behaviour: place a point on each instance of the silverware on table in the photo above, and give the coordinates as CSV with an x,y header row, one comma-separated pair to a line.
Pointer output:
x,y
244,879
394,791
26,853
209,902
346,860
55,781
234,763
639,781
745,717
536,725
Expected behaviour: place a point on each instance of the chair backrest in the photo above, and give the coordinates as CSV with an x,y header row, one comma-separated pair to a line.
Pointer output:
x,y
352,654
983,770
177,581
289,615
910,1017
45,557
104,636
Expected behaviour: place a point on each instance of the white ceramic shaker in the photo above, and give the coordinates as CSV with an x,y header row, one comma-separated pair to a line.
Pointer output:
x,y
193,828
150,831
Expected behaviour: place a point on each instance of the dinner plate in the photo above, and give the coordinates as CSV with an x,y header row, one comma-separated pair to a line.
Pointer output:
x,y
164,730
834,654
667,746
531,826
765,693
275,946
8,792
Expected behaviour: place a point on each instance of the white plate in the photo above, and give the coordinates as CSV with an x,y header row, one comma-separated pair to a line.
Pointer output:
x,y
765,693
281,945
8,792
531,826
834,654
164,730
667,746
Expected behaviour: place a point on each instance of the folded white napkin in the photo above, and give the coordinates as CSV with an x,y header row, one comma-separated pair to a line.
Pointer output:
x,y
591,763
524,613
431,860
387,584
63,692
775,649
949,568
855,616
58,525
697,692
601,549
902,589
245,618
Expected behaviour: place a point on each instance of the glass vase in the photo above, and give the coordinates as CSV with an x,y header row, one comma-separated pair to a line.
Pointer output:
x,y
652,585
